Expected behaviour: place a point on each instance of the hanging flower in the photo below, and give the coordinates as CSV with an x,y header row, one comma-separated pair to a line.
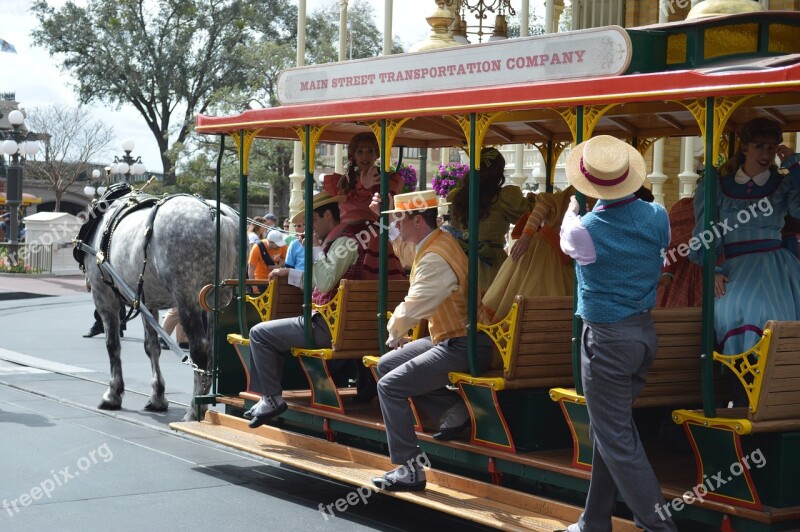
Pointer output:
x,y
409,175
449,177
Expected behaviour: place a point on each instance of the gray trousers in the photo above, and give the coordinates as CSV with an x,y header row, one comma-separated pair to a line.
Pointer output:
x,y
614,362
419,370
272,341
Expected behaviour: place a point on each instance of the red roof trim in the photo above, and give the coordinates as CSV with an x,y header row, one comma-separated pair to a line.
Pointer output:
x,y
630,88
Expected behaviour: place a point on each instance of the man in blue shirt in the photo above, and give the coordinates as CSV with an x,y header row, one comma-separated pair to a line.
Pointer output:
x,y
296,254
617,248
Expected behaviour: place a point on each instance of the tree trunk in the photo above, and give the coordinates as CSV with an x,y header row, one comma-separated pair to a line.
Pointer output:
x,y
169,170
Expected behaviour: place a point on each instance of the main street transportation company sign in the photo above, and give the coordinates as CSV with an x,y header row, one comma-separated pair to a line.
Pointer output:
x,y
579,54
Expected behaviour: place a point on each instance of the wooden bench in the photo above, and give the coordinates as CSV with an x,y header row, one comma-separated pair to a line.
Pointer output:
x,y
352,317
534,341
371,362
770,374
673,379
279,300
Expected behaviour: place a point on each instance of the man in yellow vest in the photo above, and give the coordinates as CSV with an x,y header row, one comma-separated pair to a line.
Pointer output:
x,y
419,369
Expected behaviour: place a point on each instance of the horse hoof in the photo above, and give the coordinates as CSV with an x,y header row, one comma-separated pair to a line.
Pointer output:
x,y
150,407
107,405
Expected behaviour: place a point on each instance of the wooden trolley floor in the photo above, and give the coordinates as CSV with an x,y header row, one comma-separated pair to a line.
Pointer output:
x,y
464,497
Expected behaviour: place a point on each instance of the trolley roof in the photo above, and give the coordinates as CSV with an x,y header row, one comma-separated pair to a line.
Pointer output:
x,y
646,105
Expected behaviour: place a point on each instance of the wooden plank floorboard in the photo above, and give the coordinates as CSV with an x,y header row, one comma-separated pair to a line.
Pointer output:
x,y
675,470
466,498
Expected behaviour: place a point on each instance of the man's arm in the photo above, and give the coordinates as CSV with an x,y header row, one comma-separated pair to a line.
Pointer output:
x,y
328,270
575,239
434,281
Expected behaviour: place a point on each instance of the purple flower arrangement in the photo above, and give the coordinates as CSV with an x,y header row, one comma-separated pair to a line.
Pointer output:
x,y
409,175
449,177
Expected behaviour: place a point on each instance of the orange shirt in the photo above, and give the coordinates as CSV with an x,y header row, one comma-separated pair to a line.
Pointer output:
x,y
255,260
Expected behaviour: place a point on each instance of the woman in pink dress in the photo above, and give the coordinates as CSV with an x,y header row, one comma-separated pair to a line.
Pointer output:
x,y
360,181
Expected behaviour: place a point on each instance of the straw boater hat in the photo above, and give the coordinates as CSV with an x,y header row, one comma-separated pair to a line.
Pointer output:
x,y
320,199
420,200
605,167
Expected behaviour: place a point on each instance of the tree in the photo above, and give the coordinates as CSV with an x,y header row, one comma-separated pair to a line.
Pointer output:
x,y
270,161
565,24
72,138
364,39
535,25
164,57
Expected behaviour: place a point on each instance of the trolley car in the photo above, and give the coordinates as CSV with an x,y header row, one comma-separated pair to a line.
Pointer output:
x,y
527,463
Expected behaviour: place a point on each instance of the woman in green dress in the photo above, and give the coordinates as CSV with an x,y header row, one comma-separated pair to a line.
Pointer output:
x,y
499,208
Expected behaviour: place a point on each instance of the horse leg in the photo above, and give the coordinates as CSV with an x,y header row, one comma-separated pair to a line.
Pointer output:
x,y
112,398
158,401
191,318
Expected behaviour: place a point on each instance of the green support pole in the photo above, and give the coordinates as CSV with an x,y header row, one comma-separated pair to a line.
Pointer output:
x,y
308,274
383,249
423,168
217,253
577,323
549,168
245,331
472,255
731,144
709,264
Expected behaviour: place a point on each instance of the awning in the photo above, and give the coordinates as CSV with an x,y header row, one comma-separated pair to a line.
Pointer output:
x,y
27,199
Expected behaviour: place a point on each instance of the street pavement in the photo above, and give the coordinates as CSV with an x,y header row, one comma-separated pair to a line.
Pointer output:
x,y
67,466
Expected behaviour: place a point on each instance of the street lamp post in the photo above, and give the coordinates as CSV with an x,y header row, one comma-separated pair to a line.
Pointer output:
x,y
17,143
97,188
127,164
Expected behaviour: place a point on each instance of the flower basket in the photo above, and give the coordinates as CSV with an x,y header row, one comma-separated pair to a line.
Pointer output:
x,y
409,175
449,177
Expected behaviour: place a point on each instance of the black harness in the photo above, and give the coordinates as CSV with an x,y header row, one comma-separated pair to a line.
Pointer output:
x,y
134,202
96,211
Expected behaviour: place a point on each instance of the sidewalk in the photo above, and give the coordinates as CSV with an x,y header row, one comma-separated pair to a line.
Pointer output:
x,y
20,286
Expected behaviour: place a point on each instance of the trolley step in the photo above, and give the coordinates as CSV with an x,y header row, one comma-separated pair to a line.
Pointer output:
x,y
466,498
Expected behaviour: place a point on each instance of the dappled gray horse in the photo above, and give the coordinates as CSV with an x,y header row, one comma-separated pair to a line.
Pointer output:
x,y
177,262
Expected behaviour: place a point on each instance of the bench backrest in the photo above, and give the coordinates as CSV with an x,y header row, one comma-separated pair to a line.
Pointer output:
x,y
542,352
780,387
358,315
674,377
288,300
277,300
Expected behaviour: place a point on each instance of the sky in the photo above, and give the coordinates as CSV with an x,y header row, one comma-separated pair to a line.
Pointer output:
x,y
36,79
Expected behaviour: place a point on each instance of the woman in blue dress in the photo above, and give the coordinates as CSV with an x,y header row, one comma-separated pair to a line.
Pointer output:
x,y
758,280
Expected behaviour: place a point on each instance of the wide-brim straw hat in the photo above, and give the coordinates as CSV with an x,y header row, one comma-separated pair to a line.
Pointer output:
x,y
605,167
420,200
320,199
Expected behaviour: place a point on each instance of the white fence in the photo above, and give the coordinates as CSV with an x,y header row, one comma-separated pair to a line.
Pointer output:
x,y
38,257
